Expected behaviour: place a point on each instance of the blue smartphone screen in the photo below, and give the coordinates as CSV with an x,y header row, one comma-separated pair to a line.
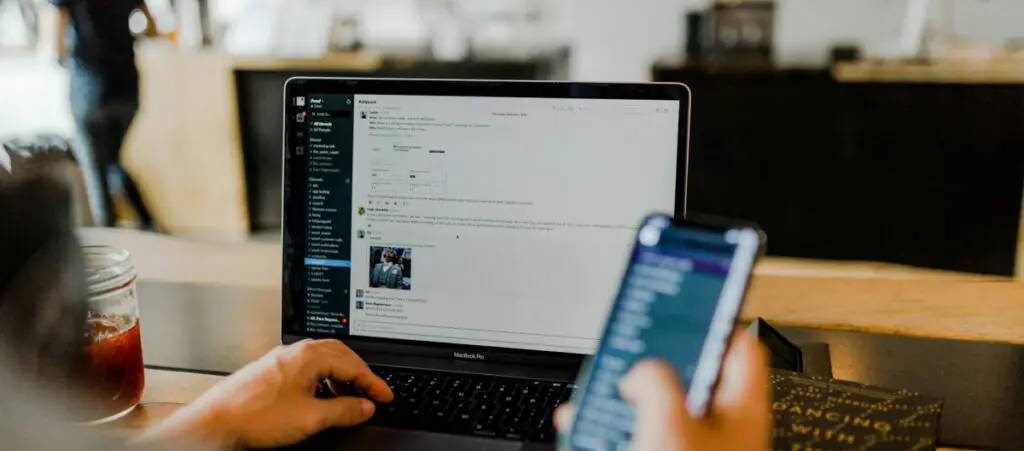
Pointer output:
x,y
678,302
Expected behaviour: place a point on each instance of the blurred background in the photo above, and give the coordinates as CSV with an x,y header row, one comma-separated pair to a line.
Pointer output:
x,y
885,130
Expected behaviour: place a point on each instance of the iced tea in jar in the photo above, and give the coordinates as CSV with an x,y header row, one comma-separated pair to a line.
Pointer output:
x,y
112,369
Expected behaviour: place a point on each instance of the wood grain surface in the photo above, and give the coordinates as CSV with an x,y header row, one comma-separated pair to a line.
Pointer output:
x,y
184,147
997,71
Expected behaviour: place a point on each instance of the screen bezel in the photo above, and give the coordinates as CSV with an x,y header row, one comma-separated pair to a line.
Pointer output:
x,y
292,164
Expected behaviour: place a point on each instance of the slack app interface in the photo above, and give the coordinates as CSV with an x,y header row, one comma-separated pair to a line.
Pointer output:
x,y
328,147
480,220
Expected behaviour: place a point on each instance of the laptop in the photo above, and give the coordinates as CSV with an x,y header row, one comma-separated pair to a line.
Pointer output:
x,y
466,238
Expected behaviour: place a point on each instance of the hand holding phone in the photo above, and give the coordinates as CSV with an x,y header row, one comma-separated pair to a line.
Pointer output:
x,y
678,304
739,419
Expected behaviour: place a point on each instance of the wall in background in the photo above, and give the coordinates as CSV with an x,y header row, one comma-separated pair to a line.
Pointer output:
x,y
33,87
611,39
618,40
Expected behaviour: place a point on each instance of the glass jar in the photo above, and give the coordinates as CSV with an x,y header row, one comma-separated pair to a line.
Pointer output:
x,y
112,367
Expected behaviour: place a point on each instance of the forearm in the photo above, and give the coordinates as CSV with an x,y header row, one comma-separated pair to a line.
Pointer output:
x,y
188,427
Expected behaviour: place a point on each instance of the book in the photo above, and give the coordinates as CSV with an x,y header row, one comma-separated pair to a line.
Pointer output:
x,y
820,414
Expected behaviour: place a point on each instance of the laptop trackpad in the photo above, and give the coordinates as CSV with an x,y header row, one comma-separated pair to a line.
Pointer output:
x,y
373,438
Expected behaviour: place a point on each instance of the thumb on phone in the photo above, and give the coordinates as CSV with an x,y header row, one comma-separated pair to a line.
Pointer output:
x,y
743,391
653,388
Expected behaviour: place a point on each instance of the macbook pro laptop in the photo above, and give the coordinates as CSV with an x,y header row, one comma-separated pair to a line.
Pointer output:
x,y
466,238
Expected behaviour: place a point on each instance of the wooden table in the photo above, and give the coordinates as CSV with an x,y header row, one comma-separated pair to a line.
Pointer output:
x,y
846,296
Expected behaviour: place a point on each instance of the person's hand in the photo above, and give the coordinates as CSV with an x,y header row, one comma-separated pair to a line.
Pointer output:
x,y
271,401
738,419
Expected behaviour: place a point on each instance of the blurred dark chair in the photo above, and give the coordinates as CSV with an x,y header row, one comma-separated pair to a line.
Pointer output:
x,y
42,276
53,155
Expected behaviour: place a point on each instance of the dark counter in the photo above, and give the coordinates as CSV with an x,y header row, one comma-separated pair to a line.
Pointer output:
x,y
922,174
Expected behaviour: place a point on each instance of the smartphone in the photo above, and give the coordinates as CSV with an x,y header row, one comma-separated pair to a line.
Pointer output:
x,y
678,301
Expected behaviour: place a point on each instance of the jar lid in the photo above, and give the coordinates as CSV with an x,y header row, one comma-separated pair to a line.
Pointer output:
x,y
107,267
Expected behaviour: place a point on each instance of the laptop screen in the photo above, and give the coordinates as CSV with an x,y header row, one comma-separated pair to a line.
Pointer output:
x,y
474,220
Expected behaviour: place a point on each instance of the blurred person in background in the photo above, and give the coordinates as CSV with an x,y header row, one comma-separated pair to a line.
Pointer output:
x,y
96,44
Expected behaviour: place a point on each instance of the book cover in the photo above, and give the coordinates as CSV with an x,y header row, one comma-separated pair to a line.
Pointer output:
x,y
820,414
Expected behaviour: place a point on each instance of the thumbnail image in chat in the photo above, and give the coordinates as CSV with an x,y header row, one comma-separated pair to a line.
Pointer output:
x,y
391,267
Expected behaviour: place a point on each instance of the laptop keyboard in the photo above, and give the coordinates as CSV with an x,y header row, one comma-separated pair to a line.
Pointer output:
x,y
469,404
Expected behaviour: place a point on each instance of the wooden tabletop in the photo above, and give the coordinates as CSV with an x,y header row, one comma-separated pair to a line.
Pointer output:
x,y
995,71
849,296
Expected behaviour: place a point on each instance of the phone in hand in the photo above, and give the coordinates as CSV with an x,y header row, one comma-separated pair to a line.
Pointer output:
x,y
679,300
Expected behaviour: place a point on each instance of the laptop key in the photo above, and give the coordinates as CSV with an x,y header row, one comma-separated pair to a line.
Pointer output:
x,y
485,431
543,421
513,433
482,386
512,399
511,420
459,383
542,436
553,392
511,410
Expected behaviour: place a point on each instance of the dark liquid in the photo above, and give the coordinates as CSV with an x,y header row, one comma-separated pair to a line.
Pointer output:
x,y
113,366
